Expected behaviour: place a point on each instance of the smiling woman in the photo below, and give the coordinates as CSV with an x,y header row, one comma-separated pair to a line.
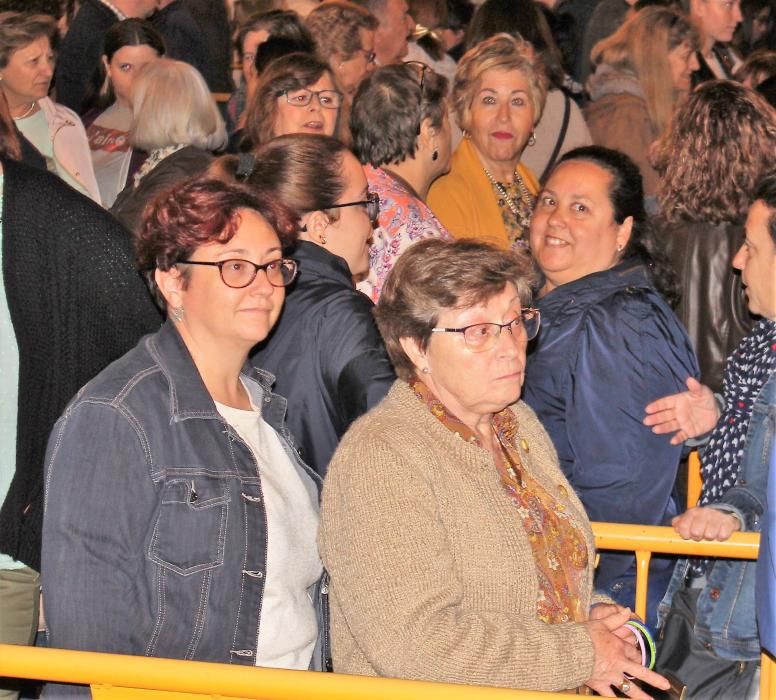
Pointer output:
x,y
609,346
215,515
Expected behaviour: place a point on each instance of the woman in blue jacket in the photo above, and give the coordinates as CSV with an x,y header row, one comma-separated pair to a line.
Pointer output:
x,y
609,344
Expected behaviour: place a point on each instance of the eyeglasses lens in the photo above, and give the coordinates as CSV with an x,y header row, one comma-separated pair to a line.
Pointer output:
x,y
240,273
483,336
328,99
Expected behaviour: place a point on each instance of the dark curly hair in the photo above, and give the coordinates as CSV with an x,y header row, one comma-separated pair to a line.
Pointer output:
x,y
196,212
626,195
766,193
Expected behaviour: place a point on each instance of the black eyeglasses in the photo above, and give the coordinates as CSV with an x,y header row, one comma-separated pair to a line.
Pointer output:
x,y
480,337
370,56
240,273
328,99
372,204
423,68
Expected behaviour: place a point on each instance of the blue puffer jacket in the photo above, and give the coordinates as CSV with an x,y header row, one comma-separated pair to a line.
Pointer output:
x,y
609,344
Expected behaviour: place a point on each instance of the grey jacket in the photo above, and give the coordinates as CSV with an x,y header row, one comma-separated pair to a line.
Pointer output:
x,y
155,532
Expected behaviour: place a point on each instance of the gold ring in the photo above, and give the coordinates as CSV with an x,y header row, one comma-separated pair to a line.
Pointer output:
x,y
625,686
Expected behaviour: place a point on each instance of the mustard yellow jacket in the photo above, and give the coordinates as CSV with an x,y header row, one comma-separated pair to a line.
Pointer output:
x,y
463,200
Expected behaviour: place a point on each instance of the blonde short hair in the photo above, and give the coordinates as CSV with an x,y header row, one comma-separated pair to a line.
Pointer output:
x,y
502,52
171,104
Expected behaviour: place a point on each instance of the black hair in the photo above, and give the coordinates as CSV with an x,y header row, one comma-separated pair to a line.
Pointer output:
x,y
626,195
388,111
277,46
765,192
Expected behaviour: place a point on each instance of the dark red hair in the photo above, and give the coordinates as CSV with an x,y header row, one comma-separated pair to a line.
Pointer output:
x,y
197,212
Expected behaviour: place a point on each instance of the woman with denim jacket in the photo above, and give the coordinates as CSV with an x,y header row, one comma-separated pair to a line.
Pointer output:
x,y
180,521
735,463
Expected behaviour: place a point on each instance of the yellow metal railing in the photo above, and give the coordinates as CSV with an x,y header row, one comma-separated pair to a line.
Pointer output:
x,y
114,676
694,479
125,677
645,540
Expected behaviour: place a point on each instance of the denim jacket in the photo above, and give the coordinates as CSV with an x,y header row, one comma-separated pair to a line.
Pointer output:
x,y
725,618
155,531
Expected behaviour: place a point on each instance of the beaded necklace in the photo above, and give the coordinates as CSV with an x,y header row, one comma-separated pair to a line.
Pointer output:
x,y
522,213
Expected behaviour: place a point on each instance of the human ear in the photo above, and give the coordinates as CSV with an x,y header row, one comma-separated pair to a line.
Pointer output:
x,y
170,283
316,223
417,356
624,231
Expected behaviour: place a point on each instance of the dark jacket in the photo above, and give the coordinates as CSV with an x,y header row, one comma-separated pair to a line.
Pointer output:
x,y
609,344
704,72
155,531
713,306
79,54
213,22
326,353
76,304
129,205
183,39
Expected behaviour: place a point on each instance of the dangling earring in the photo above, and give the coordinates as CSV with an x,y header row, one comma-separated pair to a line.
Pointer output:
x,y
323,240
619,247
435,155
532,139
177,313
426,370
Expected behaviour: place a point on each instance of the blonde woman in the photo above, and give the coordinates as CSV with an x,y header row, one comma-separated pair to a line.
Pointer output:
x,y
643,71
498,97
176,121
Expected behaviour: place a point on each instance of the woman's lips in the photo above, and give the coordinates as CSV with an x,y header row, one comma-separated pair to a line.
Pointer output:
x,y
502,135
314,126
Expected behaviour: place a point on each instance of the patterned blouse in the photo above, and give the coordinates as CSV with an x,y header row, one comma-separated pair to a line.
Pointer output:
x,y
516,231
558,547
404,219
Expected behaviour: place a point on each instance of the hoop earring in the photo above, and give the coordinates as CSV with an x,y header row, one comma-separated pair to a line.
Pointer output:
x,y
532,139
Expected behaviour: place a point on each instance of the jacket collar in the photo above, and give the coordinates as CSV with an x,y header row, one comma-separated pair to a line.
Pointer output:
x,y
188,396
591,288
315,260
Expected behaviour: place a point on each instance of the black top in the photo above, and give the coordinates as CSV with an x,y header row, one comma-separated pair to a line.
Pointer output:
x,y
76,304
183,39
326,353
79,53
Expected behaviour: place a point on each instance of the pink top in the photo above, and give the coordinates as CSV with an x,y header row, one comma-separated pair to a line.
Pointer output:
x,y
404,219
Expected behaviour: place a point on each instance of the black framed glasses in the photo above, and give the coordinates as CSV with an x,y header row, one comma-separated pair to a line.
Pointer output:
x,y
423,68
370,55
372,204
328,99
237,273
480,337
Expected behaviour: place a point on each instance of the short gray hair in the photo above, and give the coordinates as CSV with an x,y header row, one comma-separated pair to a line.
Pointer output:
x,y
171,104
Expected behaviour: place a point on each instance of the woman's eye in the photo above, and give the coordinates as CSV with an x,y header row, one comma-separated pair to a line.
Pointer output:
x,y
125,67
581,208
488,100
518,102
274,265
236,265
547,201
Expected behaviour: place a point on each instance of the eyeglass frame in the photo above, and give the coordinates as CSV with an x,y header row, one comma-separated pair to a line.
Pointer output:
x,y
501,326
313,93
423,69
370,55
372,198
220,265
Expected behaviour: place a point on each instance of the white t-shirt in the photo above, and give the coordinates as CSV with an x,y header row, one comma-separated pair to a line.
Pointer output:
x,y
288,627
111,151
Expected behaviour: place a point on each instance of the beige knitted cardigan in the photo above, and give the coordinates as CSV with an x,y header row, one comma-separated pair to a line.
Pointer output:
x,y
432,574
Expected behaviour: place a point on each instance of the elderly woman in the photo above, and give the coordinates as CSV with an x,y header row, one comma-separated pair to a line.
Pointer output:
x,y
325,352
296,94
128,47
26,69
609,345
643,72
721,142
448,500
498,97
344,34
180,521
716,600
176,121
401,133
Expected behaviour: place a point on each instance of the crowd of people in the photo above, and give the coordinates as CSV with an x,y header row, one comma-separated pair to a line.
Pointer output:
x,y
328,362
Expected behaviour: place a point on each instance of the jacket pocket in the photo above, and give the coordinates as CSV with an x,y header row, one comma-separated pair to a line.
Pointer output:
x,y
190,529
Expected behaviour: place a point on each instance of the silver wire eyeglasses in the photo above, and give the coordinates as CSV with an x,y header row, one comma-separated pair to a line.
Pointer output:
x,y
372,204
328,99
480,337
240,273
